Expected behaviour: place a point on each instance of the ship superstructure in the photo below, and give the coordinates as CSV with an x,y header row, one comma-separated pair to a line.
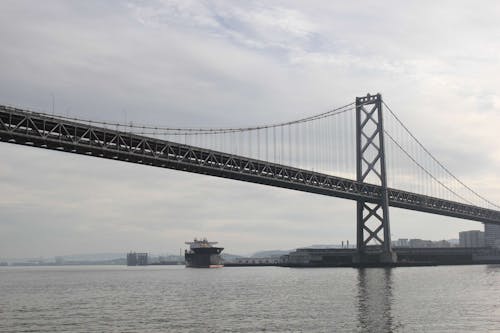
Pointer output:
x,y
203,254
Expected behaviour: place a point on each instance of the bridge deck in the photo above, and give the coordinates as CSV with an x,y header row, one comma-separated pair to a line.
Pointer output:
x,y
42,131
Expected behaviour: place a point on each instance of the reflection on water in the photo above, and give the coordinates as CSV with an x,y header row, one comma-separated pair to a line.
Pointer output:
x,y
492,269
249,299
375,299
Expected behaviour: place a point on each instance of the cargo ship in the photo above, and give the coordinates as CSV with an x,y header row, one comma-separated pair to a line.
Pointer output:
x,y
203,254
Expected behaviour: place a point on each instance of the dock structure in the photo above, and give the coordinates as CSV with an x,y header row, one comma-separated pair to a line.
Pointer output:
x,y
406,256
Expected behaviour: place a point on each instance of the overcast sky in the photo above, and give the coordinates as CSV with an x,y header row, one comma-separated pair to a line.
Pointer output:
x,y
233,63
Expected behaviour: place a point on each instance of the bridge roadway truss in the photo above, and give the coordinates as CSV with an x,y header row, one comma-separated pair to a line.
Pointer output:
x,y
38,130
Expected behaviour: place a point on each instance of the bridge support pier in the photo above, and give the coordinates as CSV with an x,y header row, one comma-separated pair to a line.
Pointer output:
x,y
373,231
376,259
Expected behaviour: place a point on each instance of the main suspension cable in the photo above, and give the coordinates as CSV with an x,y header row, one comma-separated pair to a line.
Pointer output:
x,y
435,159
200,130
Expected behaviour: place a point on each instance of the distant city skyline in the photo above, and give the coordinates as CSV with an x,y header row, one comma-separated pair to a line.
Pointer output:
x,y
115,255
181,63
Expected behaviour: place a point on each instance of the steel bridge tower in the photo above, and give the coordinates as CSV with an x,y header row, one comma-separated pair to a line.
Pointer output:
x,y
373,231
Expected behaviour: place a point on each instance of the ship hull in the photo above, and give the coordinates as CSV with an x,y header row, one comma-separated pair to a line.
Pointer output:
x,y
204,258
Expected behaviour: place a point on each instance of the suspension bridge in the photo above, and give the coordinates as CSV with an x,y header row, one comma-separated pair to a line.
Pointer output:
x,y
361,151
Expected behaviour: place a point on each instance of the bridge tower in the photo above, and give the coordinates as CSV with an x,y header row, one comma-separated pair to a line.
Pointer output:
x,y
373,231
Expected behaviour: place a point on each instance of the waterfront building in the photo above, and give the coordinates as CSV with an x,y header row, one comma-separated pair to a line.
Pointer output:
x,y
137,259
419,243
415,242
492,235
401,242
471,238
441,243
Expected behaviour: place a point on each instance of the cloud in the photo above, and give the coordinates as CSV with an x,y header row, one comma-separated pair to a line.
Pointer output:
x,y
257,25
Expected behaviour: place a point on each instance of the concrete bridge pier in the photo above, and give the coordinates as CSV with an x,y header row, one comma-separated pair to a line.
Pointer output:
x,y
375,259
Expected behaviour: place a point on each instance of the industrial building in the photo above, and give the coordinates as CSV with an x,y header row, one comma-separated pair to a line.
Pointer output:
x,y
137,259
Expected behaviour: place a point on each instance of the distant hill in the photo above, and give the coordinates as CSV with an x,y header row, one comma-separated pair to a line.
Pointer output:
x,y
270,253
327,246
94,257
229,257
279,253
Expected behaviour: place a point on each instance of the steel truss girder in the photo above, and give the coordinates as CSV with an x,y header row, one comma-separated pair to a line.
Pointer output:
x,y
41,131
370,161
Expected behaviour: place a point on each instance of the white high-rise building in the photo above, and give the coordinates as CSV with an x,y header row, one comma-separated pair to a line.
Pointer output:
x,y
492,235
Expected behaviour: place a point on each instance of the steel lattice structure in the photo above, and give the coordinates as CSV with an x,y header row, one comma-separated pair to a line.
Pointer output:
x,y
372,219
37,130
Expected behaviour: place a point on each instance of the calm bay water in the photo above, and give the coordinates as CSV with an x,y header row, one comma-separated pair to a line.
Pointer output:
x,y
249,299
